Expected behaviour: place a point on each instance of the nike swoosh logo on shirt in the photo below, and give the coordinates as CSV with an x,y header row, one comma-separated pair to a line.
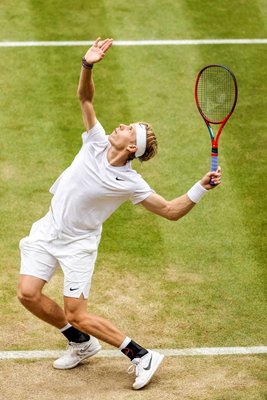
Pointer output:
x,y
149,364
119,179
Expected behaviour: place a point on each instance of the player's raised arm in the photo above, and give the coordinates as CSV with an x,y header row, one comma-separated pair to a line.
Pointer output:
x,y
86,87
177,208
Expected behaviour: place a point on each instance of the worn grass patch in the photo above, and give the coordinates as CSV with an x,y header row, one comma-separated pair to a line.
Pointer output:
x,y
187,378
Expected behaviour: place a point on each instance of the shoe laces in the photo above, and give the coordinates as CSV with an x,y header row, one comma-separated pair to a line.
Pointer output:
x,y
71,347
135,367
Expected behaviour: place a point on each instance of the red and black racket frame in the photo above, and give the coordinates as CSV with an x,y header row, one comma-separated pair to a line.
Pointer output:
x,y
215,140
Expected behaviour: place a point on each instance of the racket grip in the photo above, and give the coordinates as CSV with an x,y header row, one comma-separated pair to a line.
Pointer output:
x,y
214,166
214,163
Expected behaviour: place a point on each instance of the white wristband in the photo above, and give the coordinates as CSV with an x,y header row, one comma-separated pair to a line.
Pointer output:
x,y
196,192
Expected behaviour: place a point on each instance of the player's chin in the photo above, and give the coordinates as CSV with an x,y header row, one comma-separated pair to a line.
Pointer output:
x,y
110,138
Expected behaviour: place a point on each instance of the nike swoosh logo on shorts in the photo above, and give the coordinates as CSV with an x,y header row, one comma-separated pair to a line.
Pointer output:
x,y
149,364
71,289
119,179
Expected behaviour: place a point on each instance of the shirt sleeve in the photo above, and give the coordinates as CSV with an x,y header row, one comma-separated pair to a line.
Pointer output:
x,y
95,134
142,191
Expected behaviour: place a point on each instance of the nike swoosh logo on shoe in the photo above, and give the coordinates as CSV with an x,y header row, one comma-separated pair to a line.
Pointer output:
x,y
119,179
149,364
85,349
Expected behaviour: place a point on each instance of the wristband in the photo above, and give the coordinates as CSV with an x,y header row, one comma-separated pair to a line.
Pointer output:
x,y
196,192
86,65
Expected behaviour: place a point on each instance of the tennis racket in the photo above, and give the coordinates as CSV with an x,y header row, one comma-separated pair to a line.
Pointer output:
x,y
216,97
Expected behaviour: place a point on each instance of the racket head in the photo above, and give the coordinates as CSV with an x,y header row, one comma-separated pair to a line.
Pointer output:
x,y
216,93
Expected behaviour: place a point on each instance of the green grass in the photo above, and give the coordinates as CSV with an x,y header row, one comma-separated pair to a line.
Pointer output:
x,y
152,19
206,273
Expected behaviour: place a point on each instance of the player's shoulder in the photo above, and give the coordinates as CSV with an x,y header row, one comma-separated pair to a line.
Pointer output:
x,y
95,134
133,175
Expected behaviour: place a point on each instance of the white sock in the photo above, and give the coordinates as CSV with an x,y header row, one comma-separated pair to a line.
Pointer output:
x,y
125,343
65,327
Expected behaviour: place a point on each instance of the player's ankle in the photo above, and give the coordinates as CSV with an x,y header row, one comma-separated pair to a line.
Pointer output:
x,y
132,349
74,335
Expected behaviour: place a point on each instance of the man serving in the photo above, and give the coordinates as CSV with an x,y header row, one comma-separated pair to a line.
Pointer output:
x,y
97,182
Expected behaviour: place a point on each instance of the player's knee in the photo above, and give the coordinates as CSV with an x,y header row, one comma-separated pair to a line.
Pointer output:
x,y
27,294
73,318
30,289
76,319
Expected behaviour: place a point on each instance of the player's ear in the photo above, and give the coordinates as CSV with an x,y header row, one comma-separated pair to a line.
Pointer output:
x,y
132,148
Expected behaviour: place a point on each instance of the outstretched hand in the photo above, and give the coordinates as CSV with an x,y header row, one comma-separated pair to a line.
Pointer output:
x,y
97,52
214,177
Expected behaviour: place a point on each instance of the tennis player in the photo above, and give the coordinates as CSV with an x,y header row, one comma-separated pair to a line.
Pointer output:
x,y
97,182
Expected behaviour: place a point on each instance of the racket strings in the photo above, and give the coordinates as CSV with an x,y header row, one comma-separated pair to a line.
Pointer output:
x,y
216,93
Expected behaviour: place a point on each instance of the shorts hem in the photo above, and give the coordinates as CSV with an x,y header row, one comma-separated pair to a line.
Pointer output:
x,y
35,276
74,296
84,290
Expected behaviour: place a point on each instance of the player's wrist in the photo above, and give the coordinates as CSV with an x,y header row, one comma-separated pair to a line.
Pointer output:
x,y
196,192
86,64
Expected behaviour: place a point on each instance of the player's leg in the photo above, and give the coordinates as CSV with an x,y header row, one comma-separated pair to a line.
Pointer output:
x,y
37,268
31,297
77,260
145,362
77,315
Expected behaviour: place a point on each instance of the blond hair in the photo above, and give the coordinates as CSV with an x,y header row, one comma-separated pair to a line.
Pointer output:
x,y
151,144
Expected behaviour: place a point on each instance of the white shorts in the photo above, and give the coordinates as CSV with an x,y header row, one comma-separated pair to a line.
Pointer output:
x,y
46,248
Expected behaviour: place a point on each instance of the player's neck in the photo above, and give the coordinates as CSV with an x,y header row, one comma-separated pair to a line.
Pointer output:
x,y
116,158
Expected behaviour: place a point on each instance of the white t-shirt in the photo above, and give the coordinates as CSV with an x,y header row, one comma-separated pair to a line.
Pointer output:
x,y
91,189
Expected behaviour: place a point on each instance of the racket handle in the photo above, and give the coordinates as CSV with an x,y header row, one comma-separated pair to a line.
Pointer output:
x,y
214,165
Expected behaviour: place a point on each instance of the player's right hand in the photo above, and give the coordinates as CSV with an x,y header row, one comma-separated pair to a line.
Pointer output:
x,y
97,52
211,177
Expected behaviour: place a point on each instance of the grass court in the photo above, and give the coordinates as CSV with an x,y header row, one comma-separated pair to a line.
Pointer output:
x,y
198,282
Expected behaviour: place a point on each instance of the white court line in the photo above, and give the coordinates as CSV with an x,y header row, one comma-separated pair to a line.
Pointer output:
x,y
137,42
204,351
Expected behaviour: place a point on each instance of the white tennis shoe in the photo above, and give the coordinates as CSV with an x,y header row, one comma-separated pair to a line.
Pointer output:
x,y
145,368
77,352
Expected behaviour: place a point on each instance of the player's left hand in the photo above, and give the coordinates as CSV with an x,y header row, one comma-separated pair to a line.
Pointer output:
x,y
97,52
214,177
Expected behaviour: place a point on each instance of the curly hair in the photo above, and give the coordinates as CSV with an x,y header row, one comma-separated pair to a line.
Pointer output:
x,y
151,144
